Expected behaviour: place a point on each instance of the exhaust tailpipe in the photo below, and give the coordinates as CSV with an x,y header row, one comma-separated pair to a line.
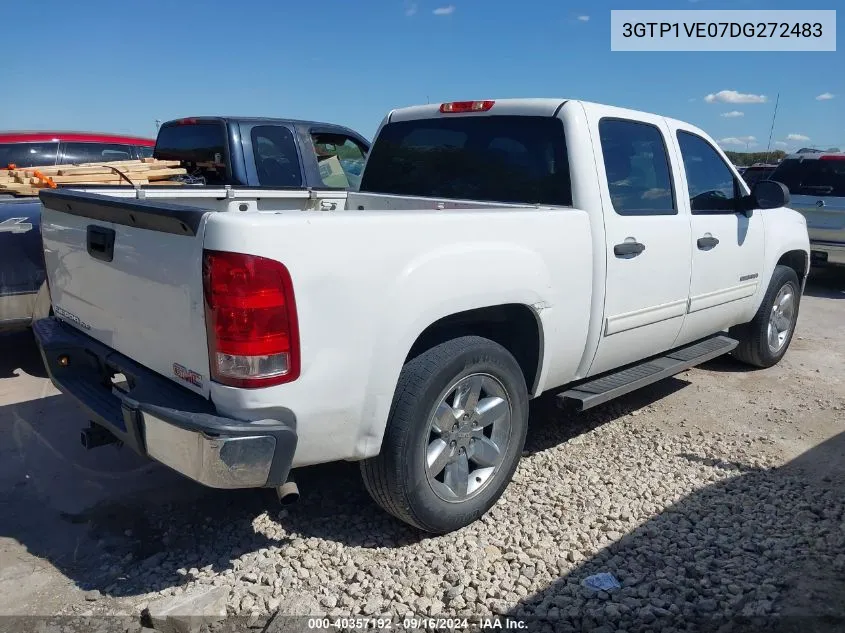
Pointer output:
x,y
95,436
288,493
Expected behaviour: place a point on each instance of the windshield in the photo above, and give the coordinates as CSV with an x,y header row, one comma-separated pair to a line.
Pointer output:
x,y
515,159
812,177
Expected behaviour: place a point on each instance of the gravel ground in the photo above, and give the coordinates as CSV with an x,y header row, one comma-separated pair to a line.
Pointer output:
x,y
714,495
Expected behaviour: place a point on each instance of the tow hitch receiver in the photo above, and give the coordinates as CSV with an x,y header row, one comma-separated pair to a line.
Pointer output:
x,y
95,435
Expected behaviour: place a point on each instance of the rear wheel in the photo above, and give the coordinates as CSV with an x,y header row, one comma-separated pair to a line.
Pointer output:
x,y
764,340
454,436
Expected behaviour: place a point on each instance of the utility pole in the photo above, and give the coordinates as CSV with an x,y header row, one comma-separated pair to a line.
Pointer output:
x,y
771,131
158,124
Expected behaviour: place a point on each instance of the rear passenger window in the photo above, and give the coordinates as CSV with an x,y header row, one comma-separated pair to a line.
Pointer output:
x,y
712,185
96,152
637,168
275,156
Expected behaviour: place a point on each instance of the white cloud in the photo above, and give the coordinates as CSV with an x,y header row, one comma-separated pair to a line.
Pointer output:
x,y
732,96
743,141
447,10
825,96
410,9
797,137
584,18
781,144
733,114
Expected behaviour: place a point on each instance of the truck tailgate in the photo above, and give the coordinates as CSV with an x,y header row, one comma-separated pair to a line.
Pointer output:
x,y
129,274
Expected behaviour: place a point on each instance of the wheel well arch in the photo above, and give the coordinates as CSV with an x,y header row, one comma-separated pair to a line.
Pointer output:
x,y
514,326
797,260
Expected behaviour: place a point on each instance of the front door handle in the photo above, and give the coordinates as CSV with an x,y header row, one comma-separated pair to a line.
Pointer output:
x,y
706,243
628,249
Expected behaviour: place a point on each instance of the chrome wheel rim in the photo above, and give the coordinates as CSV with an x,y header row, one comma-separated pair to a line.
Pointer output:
x,y
781,318
468,436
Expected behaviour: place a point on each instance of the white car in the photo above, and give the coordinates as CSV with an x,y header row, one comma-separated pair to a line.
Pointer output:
x,y
496,250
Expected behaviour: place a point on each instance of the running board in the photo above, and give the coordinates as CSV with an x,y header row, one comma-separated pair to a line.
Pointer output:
x,y
610,386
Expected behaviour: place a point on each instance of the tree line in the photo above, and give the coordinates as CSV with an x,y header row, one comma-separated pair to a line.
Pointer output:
x,y
744,159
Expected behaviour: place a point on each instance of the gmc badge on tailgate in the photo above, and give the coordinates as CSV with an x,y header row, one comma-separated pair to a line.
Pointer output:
x,y
188,375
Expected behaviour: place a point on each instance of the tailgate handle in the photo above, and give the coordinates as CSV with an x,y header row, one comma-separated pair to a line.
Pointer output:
x,y
100,243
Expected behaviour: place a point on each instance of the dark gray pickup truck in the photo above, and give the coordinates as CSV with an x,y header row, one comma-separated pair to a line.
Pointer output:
x,y
216,151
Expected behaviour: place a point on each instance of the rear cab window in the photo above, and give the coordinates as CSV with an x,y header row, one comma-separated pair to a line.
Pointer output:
x,y
823,176
28,154
500,158
201,146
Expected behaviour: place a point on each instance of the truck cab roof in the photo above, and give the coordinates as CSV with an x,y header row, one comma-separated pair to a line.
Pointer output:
x,y
259,120
542,106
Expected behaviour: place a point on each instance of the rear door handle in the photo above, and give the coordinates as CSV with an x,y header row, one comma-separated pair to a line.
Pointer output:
x,y
630,249
706,243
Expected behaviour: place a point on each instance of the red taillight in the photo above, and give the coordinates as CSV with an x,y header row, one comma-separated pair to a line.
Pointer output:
x,y
466,106
832,157
250,317
189,121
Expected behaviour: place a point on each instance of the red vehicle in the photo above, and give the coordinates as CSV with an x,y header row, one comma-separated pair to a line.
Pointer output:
x,y
29,149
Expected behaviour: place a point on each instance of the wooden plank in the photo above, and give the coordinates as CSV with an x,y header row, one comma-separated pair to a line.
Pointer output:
x,y
109,169
167,183
155,174
84,171
115,163
29,172
95,178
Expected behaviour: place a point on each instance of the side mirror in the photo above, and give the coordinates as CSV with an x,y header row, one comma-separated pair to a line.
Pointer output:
x,y
769,194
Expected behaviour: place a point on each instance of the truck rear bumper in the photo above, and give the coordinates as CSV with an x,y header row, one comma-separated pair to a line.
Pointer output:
x,y
159,419
828,252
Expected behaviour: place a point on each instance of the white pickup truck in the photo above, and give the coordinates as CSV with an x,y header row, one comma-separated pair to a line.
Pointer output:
x,y
496,250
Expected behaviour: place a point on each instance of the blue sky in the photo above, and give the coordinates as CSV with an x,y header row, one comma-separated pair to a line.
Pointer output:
x,y
118,67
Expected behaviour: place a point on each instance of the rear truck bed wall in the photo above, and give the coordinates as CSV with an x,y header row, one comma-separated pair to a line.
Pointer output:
x,y
369,283
234,199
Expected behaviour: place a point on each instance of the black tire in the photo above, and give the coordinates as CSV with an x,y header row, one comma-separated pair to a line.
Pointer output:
x,y
396,478
753,348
